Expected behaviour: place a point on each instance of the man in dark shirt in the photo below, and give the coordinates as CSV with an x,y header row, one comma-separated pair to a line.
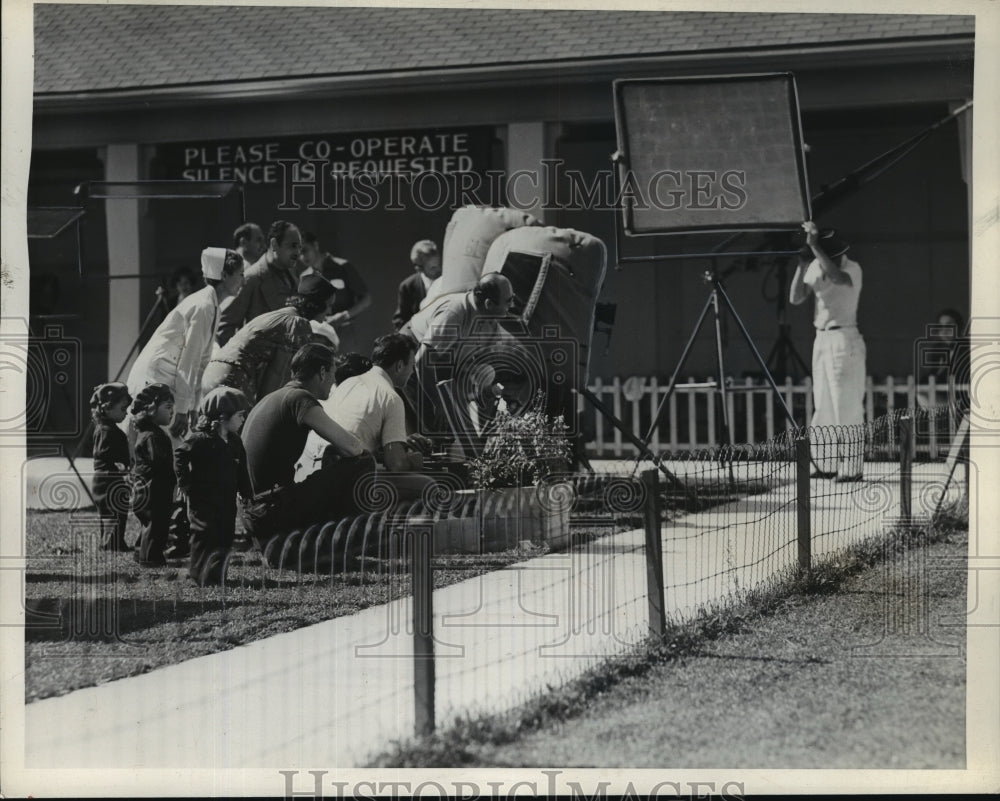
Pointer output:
x,y
275,433
352,292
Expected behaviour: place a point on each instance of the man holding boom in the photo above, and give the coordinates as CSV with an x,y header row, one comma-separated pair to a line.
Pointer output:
x,y
838,362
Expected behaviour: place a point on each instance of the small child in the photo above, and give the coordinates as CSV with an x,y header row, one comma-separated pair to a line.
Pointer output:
x,y
211,468
153,472
108,407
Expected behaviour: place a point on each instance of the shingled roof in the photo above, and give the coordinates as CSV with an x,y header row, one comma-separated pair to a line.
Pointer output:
x,y
89,48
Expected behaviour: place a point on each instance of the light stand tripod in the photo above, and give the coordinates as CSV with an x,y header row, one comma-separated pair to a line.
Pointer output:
x,y
783,349
827,198
716,294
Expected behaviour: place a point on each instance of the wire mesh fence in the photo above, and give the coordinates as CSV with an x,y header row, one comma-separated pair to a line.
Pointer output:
x,y
483,599
730,520
513,633
731,526
577,581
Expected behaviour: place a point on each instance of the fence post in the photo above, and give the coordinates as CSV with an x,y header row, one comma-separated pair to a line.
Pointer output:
x,y
906,467
421,546
654,554
803,460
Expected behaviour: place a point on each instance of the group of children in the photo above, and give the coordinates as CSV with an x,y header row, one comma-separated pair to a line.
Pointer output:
x,y
208,470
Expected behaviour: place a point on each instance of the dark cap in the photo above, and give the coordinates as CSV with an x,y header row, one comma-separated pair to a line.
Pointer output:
x,y
831,244
223,402
150,396
108,394
315,287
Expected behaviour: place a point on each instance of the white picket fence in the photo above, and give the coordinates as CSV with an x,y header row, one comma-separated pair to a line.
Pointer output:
x,y
688,422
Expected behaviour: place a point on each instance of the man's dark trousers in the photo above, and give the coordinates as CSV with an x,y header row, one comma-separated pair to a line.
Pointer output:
x,y
327,494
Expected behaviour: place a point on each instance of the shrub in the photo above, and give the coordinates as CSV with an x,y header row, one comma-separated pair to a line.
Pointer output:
x,y
522,448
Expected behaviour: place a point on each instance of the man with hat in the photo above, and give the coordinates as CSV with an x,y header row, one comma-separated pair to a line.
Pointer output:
x,y
179,350
838,364
211,468
269,282
257,359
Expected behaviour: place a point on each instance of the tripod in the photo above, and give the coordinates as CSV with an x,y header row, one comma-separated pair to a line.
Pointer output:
x,y
783,349
716,294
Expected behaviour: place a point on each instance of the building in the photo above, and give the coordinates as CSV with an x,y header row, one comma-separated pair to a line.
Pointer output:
x,y
129,93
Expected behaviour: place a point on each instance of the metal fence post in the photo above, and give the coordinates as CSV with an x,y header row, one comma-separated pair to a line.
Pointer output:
x,y
421,546
906,467
803,461
654,554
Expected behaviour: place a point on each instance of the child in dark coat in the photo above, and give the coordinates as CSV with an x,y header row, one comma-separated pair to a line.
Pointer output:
x,y
211,469
108,407
153,480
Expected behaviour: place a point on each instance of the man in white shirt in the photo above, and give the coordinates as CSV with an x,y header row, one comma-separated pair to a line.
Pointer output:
x,y
179,350
838,365
457,335
369,407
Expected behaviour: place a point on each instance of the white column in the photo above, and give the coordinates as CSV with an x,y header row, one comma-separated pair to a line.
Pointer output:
x,y
122,163
526,189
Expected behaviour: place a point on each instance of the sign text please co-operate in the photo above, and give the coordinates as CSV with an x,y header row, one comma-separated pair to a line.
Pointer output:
x,y
258,162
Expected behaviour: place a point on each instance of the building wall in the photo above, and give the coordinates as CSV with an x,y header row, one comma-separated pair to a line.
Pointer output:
x,y
372,225
908,228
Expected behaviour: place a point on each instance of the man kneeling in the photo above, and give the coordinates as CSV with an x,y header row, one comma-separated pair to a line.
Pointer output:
x,y
275,433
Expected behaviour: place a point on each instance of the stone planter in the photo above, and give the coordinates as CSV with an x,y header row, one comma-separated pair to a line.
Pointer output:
x,y
498,520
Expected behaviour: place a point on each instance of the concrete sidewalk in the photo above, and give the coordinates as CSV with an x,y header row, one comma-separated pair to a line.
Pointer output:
x,y
335,693
51,483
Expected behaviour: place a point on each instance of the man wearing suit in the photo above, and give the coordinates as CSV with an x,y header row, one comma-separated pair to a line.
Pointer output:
x,y
427,266
269,281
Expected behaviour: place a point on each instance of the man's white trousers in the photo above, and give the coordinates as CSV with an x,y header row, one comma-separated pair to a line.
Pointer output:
x,y
838,371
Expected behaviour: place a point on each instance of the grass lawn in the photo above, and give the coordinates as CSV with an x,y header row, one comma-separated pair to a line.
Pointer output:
x,y
859,671
161,618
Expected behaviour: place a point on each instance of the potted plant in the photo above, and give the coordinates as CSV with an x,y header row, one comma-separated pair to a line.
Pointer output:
x,y
521,450
509,505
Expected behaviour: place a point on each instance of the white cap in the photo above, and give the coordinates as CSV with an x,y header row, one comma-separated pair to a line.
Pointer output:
x,y
212,262
326,330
